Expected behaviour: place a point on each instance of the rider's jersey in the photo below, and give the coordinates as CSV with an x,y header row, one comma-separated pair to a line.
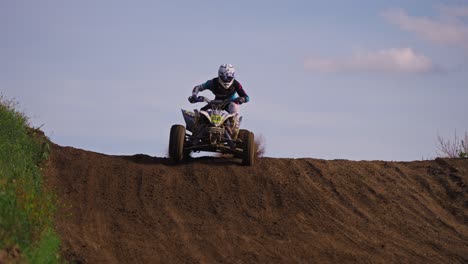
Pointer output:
x,y
222,93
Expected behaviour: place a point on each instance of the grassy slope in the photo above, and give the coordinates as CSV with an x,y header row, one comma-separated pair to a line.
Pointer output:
x,y
26,210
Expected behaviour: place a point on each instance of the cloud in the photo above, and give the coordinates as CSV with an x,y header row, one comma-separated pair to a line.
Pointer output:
x,y
395,60
447,31
454,12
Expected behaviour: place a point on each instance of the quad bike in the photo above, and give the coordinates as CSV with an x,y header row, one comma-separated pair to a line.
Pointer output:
x,y
213,130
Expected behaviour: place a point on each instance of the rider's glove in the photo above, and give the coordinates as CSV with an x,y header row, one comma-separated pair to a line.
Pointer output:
x,y
239,100
196,99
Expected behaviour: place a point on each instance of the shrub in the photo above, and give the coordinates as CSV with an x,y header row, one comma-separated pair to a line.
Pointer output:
x,y
456,148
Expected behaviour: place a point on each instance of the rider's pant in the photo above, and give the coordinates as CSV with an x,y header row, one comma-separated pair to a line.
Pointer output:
x,y
233,108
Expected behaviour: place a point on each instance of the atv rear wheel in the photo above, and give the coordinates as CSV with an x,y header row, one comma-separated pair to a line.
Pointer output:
x,y
176,143
248,147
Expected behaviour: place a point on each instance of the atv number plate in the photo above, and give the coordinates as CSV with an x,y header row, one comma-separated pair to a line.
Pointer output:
x,y
216,119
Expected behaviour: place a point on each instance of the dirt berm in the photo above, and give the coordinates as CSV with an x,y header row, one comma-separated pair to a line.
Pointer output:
x,y
141,209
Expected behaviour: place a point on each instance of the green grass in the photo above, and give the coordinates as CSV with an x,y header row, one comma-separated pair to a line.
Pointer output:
x,y
26,209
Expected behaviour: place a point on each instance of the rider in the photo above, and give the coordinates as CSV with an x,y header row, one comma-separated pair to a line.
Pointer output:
x,y
223,87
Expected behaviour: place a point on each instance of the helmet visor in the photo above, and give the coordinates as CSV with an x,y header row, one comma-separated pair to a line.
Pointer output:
x,y
226,79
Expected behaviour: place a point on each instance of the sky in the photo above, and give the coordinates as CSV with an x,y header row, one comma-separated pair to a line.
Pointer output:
x,y
358,80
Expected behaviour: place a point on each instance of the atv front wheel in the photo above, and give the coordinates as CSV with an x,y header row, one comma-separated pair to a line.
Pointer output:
x,y
242,133
248,147
176,143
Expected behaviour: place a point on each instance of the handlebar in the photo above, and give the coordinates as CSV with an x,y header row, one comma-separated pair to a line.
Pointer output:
x,y
217,104
201,99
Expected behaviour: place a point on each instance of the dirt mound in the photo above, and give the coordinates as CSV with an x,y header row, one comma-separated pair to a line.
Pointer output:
x,y
140,209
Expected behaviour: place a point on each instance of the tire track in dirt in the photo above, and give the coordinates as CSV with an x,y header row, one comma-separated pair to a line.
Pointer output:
x,y
141,209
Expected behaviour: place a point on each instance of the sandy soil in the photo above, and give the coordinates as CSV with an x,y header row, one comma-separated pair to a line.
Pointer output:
x,y
141,209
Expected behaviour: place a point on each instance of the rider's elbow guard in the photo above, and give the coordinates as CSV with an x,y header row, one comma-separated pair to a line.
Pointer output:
x,y
195,90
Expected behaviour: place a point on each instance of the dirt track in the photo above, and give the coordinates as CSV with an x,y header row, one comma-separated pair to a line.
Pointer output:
x,y
139,209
